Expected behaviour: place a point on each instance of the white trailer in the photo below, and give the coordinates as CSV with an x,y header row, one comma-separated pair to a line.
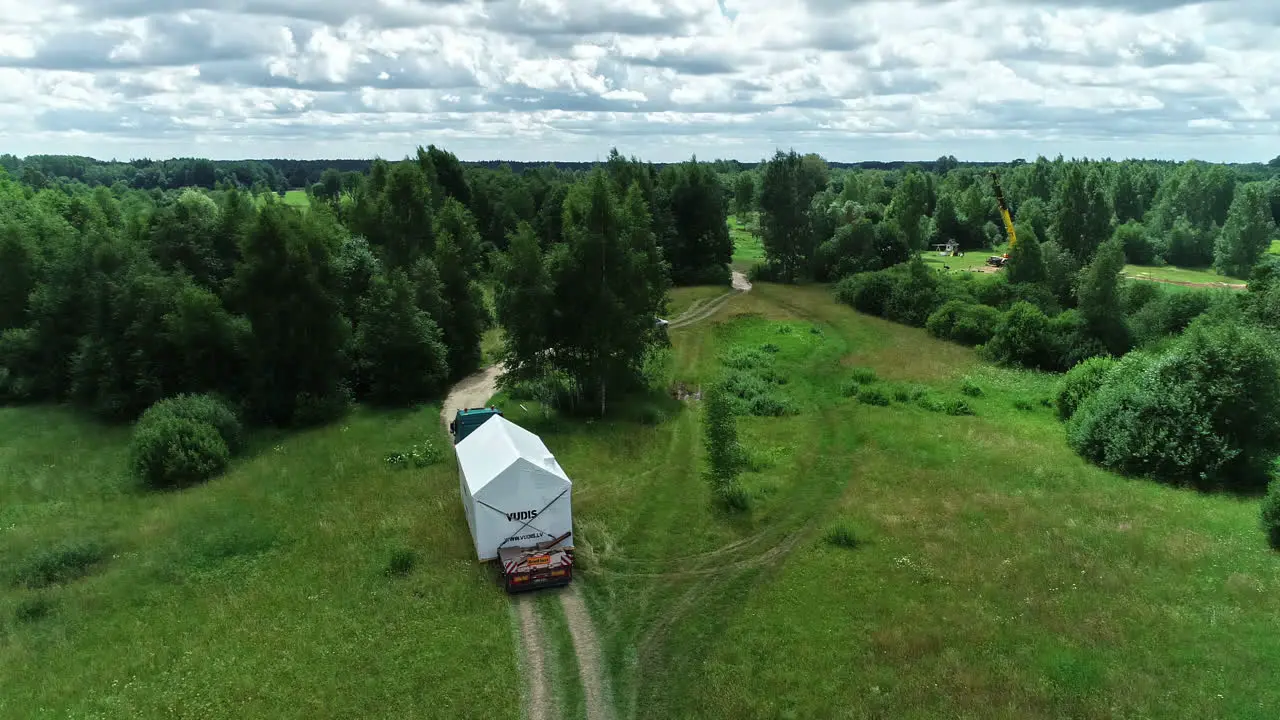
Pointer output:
x,y
514,492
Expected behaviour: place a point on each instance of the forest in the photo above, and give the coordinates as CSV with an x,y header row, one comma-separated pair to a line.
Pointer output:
x,y
126,284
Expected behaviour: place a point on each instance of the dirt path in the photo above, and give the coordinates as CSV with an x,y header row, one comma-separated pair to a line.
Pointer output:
x,y
702,310
587,647
471,391
474,391
537,697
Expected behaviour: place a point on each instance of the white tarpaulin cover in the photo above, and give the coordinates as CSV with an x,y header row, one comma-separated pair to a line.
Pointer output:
x,y
514,492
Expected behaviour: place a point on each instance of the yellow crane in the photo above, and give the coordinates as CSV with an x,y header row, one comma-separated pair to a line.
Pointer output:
x,y
1004,210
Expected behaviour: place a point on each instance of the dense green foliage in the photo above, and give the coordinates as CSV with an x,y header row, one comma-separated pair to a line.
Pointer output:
x,y
1202,412
1080,383
1271,514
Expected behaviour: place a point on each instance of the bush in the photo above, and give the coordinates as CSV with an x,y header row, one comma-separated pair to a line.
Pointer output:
x,y
958,408
970,388
311,410
62,563
963,322
1023,338
174,452
734,497
1081,382
200,408
1168,314
1202,413
931,403
873,396
868,292
842,536
33,609
419,456
1024,405
401,562
1271,514
863,375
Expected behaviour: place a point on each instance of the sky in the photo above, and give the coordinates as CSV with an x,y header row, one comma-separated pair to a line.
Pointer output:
x,y
661,79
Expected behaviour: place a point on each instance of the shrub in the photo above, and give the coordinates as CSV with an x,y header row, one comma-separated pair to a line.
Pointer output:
x,y
868,292
1080,383
174,452
401,562
863,375
1202,413
1073,340
970,388
422,455
963,322
734,497
958,408
1023,338
32,609
873,396
902,394
1024,405
200,408
931,403
1271,514
842,536
62,563
310,410
1168,314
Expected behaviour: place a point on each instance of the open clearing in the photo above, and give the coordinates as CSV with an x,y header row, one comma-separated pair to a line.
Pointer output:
x,y
997,575
1186,277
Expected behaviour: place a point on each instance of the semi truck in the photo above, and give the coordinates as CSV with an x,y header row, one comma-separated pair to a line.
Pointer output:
x,y
468,419
541,566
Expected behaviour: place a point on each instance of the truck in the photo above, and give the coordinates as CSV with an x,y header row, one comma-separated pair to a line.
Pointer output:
x,y
468,419
543,565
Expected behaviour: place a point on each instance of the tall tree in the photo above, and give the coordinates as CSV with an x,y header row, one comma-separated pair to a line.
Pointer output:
x,y
1247,234
785,193
1026,265
289,288
608,280
1081,216
523,302
909,206
463,315
744,195
400,355
1100,299
699,248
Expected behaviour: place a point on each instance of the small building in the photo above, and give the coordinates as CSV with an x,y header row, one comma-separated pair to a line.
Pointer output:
x,y
514,492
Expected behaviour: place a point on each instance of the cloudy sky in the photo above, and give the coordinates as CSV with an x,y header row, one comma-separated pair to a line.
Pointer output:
x,y
568,79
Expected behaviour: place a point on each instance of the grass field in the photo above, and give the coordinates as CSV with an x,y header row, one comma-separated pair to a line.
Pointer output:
x,y
261,594
996,575
970,260
1183,275
747,248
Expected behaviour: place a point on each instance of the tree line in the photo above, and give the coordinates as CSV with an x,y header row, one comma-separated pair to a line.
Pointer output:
x,y
1177,384
114,298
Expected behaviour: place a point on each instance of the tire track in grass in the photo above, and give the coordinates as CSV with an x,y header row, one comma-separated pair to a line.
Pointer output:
x,y
474,391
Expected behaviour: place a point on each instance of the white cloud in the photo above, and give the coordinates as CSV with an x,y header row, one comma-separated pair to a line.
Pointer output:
x,y
852,79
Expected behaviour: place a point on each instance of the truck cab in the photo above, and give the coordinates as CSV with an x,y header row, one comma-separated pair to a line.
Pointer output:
x,y
468,419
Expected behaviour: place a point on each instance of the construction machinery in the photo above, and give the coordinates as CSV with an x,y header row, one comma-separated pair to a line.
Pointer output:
x,y
544,565
1004,210
468,419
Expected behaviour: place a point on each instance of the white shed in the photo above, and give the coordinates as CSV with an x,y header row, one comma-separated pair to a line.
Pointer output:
x,y
514,492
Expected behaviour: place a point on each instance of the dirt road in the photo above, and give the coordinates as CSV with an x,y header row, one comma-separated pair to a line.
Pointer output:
x,y
471,391
703,309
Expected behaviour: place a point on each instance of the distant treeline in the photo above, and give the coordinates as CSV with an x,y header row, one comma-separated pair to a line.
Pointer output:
x,y
280,174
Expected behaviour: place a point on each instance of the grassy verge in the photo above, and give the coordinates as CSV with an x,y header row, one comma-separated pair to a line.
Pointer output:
x,y
264,593
1206,276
